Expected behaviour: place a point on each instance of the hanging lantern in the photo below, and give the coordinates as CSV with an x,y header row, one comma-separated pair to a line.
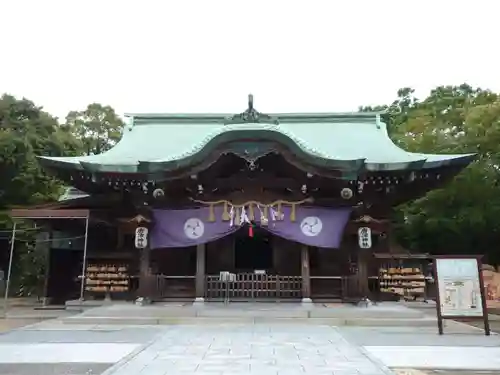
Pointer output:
x,y
364,238
141,237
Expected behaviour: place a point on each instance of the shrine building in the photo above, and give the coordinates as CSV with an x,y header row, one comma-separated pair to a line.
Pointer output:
x,y
286,206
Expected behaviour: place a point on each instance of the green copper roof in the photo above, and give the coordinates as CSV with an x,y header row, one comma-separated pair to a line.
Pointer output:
x,y
353,141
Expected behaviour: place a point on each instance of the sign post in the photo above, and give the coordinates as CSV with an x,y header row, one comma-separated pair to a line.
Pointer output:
x,y
460,290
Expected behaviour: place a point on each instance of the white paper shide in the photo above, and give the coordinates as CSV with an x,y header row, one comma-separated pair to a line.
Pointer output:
x,y
141,237
458,287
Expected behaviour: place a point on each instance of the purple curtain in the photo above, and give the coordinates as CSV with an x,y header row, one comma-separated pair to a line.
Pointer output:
x,y
313,226
184,228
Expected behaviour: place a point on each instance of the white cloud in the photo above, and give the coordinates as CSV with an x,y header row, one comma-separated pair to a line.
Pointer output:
x,y
206,56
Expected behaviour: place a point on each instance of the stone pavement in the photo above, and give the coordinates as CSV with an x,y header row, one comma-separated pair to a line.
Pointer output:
x,y
423,348
438,357
7,325
53,348
417,336
230,346
21,314
264,349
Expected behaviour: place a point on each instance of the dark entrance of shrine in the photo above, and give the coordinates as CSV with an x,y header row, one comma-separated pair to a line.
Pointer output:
x,y
253,251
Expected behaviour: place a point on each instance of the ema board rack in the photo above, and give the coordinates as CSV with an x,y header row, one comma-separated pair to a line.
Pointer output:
x,y
107,278
409,282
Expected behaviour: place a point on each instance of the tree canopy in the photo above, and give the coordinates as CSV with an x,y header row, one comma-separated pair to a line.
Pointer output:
x,y
26,131
463,217
98,128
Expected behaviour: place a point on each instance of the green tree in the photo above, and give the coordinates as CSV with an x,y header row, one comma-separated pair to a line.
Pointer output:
x,y
26,131
464,216
397,113
97,127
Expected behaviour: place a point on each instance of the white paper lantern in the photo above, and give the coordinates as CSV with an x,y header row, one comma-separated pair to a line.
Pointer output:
x,y
141,237
365,238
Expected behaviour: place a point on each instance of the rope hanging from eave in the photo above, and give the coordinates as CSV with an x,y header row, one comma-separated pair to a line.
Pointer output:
x,y
236,208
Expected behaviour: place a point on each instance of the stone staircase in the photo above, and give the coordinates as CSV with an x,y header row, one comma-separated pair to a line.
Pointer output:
x,y
386,314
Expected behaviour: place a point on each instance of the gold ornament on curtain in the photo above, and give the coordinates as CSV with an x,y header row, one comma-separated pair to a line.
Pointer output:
x,y
211,215
293,213
225,213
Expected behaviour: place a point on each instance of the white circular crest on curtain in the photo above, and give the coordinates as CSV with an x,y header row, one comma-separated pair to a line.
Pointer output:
x,y
311,226
194,228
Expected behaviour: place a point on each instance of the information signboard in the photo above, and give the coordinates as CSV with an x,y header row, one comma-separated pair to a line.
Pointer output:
x,y
459,287
460,290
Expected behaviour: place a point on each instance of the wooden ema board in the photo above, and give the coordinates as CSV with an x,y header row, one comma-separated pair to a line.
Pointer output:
x,y
460,290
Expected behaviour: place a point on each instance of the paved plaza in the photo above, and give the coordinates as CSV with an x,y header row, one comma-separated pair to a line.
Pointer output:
x,y
53,348
222,346
252,349
312,349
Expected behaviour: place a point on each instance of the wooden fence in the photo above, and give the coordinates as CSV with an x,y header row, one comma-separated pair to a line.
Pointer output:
x,y
253,286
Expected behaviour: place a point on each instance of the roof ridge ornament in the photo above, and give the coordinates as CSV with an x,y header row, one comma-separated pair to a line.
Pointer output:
x,y
251,115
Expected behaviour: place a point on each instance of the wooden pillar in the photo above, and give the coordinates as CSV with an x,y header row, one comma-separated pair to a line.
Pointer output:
x,y
363,259
144,261
145,287
306,275
200,272
47,254
364,250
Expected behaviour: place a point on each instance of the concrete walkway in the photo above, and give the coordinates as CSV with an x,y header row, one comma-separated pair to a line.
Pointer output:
x,y
246,339
299,348
438,357
53,348
221,346
263,349
423,348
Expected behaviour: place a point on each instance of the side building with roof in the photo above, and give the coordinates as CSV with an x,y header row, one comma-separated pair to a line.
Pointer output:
x,y
250,206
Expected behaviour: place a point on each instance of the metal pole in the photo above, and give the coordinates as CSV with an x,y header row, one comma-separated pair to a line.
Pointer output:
x,y
9,271
84,265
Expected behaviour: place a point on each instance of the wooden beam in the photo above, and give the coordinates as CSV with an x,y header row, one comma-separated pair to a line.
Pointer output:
x,y
376,227
21,213
268,180
265,182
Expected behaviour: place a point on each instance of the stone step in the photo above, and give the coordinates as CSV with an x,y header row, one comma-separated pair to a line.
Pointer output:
x,y
367,322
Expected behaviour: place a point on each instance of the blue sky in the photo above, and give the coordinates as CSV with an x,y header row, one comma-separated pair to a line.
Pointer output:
x,y
206,56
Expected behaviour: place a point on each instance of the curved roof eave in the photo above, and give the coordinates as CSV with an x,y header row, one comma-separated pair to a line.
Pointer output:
x,y
430,162
349,142
72,163
438,161
299,149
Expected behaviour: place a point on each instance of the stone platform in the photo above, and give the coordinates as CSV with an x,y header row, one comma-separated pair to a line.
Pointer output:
x,y
384,314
